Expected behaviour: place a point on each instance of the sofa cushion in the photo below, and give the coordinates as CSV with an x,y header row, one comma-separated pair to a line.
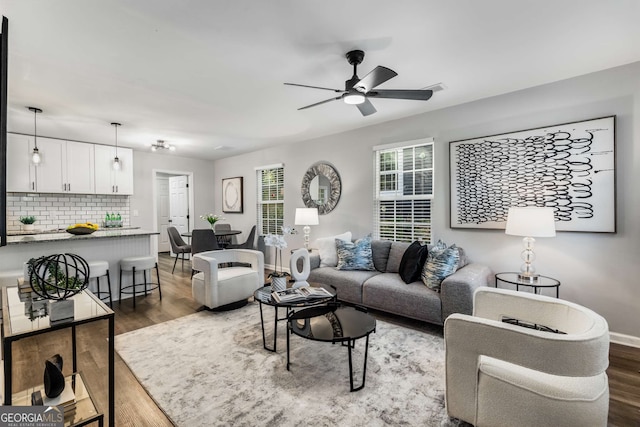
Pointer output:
x,y
388,292
348,283
395,256
355,256
439,265
380,252
327,249
412,262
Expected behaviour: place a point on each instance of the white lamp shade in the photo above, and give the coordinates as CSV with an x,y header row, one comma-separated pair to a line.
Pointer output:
x,y
531,222
306,216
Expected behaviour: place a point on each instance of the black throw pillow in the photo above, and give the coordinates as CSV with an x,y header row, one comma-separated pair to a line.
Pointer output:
x,y
412,262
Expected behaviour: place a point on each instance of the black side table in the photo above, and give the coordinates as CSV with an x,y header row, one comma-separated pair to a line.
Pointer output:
x,y
334,323
543,282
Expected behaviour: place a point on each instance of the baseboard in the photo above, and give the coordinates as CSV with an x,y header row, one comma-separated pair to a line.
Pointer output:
x,y
623,339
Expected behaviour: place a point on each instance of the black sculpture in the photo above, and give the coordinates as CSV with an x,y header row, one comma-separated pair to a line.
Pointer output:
x,y
53,377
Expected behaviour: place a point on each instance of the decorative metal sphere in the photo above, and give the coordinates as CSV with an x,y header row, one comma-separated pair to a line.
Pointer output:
x,y
59,276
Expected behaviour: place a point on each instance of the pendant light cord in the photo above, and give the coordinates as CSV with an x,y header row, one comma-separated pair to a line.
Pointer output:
x,y
35,125
116,126
35,129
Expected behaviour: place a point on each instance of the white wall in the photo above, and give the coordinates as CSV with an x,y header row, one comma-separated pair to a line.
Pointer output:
x,y
596,270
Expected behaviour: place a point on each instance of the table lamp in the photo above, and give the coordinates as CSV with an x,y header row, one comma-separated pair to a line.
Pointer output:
x,y
306,217
530,222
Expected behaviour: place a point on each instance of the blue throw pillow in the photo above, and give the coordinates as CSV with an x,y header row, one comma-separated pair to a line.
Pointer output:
x,y
440,264
355,256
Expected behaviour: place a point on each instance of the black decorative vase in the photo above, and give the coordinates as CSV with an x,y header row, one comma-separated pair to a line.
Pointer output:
x,y
53,377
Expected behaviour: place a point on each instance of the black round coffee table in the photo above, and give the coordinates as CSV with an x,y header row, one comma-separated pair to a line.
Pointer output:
x,y
334,323
263,296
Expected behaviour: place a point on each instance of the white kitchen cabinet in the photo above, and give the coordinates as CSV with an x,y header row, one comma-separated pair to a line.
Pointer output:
x,y
80,159
21,174
49,173
24,176
66,167
108,180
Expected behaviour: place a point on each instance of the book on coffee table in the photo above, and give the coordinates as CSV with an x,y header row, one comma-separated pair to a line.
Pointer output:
x,y
300,294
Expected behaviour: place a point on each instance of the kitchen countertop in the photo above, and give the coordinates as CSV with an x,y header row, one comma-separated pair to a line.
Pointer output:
x,y
64,236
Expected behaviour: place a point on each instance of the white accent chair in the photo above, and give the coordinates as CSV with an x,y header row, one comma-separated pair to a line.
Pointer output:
x,y
503,374
300,276
215,287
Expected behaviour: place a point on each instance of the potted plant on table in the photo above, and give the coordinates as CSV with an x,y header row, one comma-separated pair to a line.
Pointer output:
x,y
27,222
278,277
211,219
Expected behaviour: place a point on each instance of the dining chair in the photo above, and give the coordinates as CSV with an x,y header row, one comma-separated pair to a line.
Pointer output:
x,y
202,240
247,244
178,246
224,241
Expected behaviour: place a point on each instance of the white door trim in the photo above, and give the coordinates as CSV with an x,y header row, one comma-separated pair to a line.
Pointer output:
x,y
154,174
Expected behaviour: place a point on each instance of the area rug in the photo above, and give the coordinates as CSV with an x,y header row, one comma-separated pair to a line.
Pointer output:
x,y
210,369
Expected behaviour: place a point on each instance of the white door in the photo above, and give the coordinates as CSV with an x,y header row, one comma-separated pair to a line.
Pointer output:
x,y
163,214
179,203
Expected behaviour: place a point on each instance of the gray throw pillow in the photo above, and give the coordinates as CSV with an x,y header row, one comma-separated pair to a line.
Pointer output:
x,y
395,256
380,250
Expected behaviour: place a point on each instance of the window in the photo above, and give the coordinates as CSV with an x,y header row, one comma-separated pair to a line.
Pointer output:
x,y
403,191
270,198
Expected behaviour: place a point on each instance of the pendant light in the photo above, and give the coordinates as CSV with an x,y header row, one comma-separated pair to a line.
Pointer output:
x,y
116,160
35,155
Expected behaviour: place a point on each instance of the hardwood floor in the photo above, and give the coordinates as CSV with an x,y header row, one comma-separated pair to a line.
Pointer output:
x,y
134,407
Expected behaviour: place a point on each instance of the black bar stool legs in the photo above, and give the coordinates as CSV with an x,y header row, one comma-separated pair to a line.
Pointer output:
x,y
132,264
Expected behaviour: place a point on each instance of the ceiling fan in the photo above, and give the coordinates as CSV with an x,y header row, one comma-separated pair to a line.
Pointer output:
x,y
357,91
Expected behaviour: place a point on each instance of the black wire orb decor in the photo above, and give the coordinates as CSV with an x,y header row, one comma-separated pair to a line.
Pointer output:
x,y
58,276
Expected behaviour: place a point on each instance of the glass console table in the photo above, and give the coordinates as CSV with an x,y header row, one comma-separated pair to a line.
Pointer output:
x,y
26,317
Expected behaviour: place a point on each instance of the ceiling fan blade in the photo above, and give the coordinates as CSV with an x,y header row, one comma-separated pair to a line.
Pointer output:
x,y
366,108
376,77
315,87
321,102
418,95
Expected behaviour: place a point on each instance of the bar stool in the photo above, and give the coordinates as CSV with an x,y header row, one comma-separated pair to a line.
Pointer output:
x,y
132,264
97,269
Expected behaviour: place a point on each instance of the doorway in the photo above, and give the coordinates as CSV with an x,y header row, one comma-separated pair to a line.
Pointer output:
x,y
173,202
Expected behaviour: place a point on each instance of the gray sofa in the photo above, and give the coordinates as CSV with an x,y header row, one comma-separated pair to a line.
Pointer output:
x,y
385,290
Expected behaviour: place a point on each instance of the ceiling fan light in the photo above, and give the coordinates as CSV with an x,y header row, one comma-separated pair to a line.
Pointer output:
x,y
162,145
35,157
354,98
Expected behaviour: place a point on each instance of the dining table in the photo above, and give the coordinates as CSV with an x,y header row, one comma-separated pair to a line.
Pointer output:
x,y
221,236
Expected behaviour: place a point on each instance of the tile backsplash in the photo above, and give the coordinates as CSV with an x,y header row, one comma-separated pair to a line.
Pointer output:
x,y
54,211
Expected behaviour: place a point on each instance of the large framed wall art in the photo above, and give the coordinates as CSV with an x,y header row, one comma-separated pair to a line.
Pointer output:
x,y
232,195
569,167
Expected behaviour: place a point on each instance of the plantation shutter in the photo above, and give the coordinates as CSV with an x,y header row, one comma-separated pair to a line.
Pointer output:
x,y
270,197
403,191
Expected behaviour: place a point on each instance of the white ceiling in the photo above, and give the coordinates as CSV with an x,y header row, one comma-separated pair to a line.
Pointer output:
x,y
205,74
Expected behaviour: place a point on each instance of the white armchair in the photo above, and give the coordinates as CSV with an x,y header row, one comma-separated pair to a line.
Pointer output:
x,y
503,374
214,286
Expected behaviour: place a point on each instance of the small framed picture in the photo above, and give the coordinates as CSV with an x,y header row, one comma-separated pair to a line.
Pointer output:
x,y
232,195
